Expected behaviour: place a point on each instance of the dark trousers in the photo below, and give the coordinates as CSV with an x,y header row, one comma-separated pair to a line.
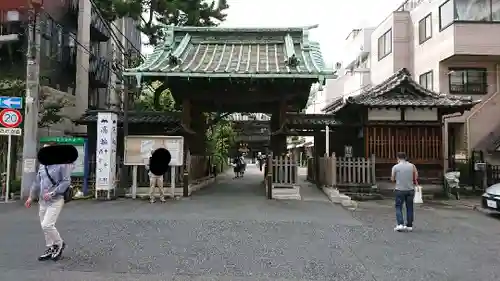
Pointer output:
x,y
404,197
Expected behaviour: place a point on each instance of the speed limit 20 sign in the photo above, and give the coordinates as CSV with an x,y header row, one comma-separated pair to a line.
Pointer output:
x,y
10,118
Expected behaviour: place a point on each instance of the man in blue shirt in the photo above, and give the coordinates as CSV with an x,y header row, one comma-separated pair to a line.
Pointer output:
x,y
51,202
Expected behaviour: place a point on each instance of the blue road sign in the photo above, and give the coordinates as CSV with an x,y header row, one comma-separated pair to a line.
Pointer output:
x,y
11,102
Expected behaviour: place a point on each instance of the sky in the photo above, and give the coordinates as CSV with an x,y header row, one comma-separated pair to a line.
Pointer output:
x,y
335,18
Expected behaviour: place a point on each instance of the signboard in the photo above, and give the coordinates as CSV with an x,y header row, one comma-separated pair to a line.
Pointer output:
x,y
10,118
347,151
11,131
79,144
11,102
139,148
106,150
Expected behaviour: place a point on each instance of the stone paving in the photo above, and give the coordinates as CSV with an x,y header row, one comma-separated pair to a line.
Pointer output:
x,y
229,231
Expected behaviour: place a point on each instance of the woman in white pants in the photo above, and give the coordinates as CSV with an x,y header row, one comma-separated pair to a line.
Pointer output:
x,y
51,183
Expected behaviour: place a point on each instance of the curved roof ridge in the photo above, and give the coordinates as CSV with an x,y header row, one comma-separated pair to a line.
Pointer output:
x,y
240,29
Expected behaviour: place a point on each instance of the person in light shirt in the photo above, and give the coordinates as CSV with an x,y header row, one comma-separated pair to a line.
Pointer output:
x,y
49,187
154,182
404,175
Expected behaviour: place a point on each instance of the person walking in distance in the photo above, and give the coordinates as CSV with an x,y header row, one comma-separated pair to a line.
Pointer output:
x,y
49,187
260,160
404,175
155,181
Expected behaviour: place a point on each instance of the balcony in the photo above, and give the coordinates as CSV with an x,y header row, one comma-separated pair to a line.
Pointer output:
x,y
409,5
470,39
11,27
98,28
99,68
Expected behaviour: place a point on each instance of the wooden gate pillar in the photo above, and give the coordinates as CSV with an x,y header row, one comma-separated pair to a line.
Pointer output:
x,y
186,127
278,136
199,126
319,151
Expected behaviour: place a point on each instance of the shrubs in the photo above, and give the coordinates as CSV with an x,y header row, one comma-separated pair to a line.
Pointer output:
x,y
15,186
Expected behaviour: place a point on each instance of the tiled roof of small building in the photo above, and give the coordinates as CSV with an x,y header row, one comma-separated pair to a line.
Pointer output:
x,y
235,52
401,90
136,117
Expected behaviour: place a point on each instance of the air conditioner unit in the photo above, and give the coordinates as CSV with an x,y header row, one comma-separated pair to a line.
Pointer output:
x,y
9,38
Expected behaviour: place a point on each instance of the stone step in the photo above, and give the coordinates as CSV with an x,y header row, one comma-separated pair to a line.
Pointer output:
x,y
286,193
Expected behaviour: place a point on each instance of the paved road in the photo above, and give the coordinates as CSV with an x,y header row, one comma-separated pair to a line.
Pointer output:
x,y
229,231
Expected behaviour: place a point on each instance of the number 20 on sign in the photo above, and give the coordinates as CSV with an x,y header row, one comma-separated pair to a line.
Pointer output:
x,y
10,118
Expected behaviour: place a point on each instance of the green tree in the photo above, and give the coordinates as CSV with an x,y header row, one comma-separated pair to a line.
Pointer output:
x,y
153,15
50,111
220,138
155,97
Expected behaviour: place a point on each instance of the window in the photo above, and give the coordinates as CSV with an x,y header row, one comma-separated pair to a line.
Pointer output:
x,y
385,45
425,29
71,39
59,43
495,10
425,80
48,40
446,14
472,10
468,81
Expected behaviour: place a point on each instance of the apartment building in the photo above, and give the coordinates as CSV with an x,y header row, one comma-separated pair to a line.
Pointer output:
x,y
317,101
76,53
354,69
450,47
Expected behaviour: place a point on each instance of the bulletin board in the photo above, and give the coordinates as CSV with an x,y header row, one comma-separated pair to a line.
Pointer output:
x,y
138,149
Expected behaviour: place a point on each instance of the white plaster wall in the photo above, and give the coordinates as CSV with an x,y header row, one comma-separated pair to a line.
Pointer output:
x,y
381,69
427,56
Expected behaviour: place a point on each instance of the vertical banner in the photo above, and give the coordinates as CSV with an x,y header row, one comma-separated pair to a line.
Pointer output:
x,y
106,151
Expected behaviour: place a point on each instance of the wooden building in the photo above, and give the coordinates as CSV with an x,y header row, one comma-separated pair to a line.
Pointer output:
x,y
214,69
397,115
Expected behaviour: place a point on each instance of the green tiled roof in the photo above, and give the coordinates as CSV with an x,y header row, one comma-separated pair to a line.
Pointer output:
x,y
235,52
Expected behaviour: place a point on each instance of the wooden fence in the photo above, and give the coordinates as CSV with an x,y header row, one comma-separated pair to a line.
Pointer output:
x,y
284,171
199,168
342,171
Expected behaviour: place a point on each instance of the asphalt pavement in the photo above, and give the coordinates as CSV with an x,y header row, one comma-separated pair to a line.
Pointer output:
x,y
230,231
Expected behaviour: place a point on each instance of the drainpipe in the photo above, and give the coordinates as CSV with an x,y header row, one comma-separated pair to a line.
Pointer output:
x,y
475,111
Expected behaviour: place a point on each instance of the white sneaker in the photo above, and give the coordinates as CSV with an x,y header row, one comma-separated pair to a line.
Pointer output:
x,y
409,228
399,228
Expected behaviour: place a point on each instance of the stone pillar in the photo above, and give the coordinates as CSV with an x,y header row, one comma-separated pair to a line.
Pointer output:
x,y
82,59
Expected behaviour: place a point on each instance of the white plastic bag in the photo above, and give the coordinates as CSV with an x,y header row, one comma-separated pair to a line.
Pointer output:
x,y
418,195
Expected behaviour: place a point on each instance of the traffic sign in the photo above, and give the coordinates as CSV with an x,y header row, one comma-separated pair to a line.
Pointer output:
x,y
11,102
11,131
10,118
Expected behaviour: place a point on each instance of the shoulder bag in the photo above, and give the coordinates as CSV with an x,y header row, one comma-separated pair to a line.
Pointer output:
x,y
68,194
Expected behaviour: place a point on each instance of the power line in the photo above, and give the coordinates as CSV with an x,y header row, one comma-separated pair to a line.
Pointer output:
x,y
110,29
75,40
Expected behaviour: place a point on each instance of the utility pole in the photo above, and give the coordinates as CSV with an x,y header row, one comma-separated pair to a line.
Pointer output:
x,y
30,140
